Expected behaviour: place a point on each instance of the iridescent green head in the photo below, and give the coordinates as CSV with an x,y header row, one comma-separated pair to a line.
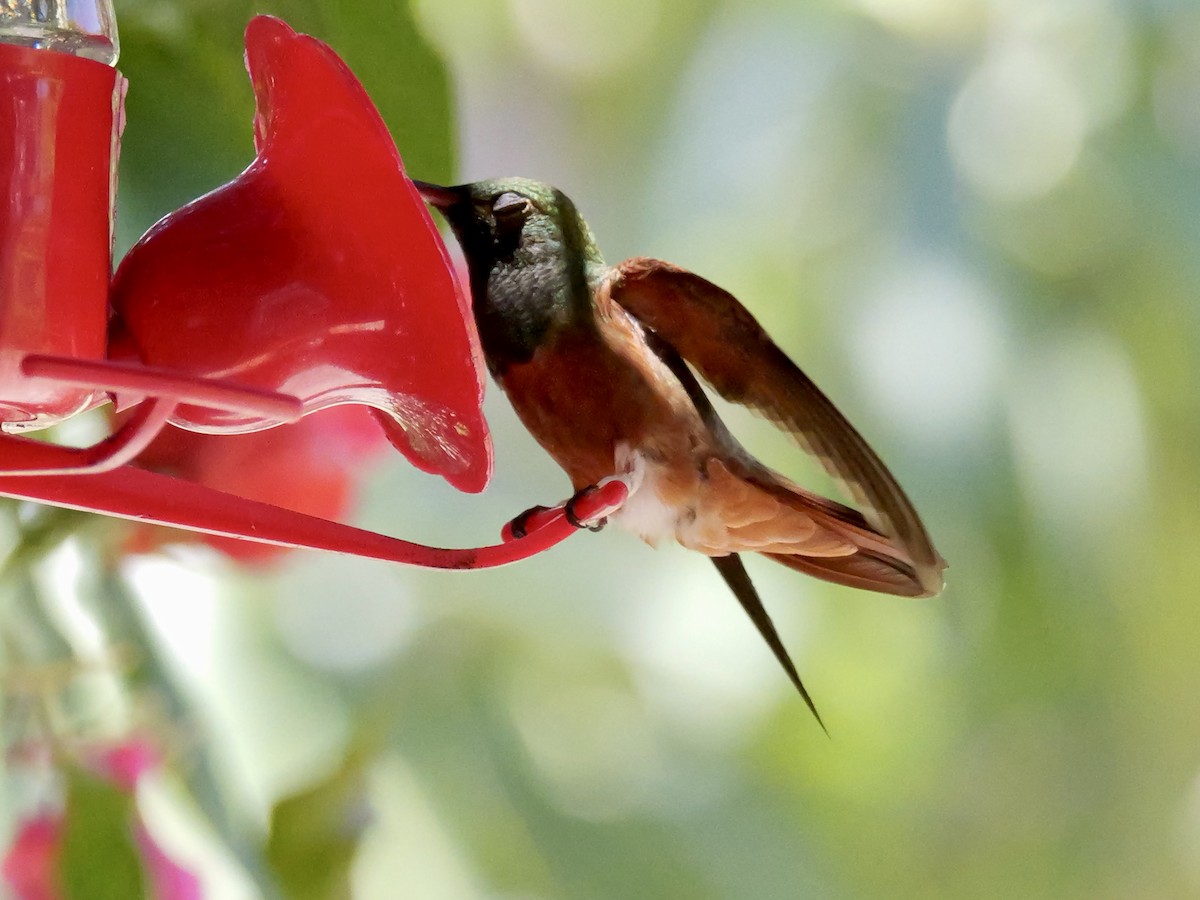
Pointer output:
x,y
532,261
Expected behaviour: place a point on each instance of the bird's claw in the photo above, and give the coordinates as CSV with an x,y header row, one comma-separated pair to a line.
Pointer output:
x,y
571,514
589,508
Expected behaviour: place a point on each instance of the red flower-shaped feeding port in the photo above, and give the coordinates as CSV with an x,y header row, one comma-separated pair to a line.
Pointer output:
x,y
317,273
315,279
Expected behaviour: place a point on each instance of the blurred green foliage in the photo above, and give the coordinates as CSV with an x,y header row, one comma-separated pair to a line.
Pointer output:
x,y
99,857
315,833
184,64
973,222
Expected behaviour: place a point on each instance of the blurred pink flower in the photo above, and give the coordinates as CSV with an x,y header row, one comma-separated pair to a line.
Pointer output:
x,y
168,880
30,866
125,763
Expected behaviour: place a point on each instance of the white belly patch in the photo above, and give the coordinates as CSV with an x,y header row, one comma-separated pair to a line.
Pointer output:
x,y
644,512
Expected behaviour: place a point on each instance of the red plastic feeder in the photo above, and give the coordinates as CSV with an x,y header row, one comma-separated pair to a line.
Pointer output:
x,y
314,279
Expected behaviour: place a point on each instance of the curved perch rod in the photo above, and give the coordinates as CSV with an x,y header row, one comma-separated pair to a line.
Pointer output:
x,y
154,498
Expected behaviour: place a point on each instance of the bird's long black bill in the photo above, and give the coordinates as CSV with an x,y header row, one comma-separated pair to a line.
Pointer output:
x,y
733,570
437,196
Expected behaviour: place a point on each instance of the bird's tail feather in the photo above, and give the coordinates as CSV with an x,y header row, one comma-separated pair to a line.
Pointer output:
x,y
734,572
864,569
878,563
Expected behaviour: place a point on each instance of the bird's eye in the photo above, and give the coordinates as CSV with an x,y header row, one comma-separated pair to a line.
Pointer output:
x,y
511,207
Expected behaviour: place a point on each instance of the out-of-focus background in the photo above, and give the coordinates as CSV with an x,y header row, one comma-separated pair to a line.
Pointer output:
x,y
974,223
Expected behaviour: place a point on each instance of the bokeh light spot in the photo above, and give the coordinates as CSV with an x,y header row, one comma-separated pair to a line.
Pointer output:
x,y
341,616
1017,126
928,342
1079,434
593,744
925,19
587,39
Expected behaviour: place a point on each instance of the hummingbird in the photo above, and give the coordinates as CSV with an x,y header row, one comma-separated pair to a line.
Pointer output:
x,y
602,365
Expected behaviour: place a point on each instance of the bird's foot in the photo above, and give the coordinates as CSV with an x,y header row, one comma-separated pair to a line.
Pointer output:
x,y
577,513
589,508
